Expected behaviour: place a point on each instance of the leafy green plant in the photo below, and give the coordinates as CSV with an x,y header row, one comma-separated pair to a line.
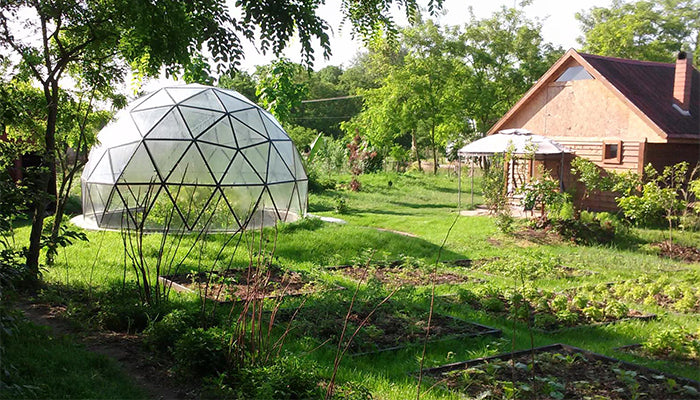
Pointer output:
x,y
202,352
161,336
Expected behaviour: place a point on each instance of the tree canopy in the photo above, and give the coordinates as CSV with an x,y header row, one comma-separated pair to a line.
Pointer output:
x,y
643,29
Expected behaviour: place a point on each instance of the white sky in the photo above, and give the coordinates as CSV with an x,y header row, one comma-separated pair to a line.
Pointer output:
x,y
559,26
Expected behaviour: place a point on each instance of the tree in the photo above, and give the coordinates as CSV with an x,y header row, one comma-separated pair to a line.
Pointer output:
x,y
240,81
278,90
329,102
506,54
97,39
642,30
418,96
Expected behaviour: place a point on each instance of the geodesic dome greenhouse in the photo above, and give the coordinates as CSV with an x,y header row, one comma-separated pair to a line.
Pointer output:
x,y
193,158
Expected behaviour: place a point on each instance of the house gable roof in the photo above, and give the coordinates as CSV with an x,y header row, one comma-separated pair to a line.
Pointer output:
x,y
646,87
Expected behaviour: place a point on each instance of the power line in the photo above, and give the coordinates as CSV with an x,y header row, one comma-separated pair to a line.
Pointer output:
x,y
330,99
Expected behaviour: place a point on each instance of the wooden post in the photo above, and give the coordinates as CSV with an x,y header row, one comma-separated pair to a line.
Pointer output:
x,y
459,183
471,175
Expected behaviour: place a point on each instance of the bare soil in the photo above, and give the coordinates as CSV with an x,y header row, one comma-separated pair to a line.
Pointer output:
x,y
233,285
404,276
387,328
678,252
126,349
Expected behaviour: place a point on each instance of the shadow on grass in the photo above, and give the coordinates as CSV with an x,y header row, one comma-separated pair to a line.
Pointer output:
x,y
415,205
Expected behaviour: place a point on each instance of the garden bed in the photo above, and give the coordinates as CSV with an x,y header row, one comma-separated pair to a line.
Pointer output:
x,y
534,266
677,296
560,372
242,284
678,252
395,274
390,327
548,311
674,345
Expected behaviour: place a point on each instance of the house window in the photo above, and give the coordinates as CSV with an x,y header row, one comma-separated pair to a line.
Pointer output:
x,y
612,152
577,73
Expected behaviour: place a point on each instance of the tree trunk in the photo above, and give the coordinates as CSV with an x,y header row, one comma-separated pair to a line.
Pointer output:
x,y
414,147
43,180
432,142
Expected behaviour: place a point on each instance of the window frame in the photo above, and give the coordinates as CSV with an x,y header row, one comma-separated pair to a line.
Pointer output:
x,y
618,157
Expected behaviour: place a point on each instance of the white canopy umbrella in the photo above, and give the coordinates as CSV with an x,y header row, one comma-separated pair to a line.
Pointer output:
x,y
521,140
517,141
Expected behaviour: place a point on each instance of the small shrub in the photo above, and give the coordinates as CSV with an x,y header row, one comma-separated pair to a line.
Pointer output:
x,y
545,321
594,313
493,304
162,335
202,352
340,206
504,222
616,310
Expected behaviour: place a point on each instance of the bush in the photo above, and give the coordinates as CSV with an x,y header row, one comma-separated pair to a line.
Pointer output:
x,y
202,352
161,336
587,233
121,310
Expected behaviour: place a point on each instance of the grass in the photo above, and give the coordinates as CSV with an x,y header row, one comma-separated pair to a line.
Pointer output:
x,y
49,367
425,206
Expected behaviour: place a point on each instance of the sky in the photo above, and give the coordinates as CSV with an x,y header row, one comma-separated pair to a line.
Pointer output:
x,y
559,26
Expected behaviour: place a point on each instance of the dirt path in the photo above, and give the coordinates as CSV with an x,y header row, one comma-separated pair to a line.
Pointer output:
x,y
124,348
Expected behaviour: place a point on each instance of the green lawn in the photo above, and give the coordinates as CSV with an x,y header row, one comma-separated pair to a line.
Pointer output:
x,y
424,206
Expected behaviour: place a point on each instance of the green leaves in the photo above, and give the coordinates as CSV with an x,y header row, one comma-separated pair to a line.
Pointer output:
x,y
644,30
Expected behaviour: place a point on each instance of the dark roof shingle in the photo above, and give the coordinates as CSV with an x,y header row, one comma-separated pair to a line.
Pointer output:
x,y
649,86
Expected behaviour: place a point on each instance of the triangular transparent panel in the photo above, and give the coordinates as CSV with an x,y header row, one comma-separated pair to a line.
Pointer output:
x,y
218,158
158,99
216,215
295,210
206,99
147,119
242,200
257,156
140,169
287,151
119,157
298,170
302,190
265,213
233,104
166,153
190,201
283,193
251,117
241,173
98,196
102,171
219,134
191,169
278,171
162,214
199,120
245,135
183,93
172,126
274,131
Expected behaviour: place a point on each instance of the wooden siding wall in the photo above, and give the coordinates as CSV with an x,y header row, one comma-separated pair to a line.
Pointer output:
x,y
592,151
661,155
